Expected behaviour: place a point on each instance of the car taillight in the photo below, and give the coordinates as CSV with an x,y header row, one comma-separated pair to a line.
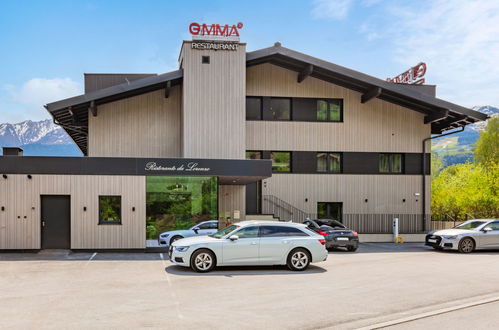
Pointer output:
x,y
355,233
322,232
322,241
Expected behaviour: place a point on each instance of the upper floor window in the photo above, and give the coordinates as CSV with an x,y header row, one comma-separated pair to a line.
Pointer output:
x,y
390,163
110,210
328,162
253,155
253,108
281,161
330,110
280,109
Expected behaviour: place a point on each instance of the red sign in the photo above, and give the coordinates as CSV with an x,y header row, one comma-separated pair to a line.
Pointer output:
x,y
412,76
215,31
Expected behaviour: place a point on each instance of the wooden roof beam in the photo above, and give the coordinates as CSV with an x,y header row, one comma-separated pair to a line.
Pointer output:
x,y
93,109
307,71
370,94
436,116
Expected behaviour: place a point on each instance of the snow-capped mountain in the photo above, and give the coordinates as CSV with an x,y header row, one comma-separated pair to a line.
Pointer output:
x,y
38,138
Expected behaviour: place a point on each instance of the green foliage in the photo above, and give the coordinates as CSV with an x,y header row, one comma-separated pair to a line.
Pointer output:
x,y
437,165
487,145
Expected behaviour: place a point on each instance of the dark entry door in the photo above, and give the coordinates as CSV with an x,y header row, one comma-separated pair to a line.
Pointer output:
x,y
56,215
254,198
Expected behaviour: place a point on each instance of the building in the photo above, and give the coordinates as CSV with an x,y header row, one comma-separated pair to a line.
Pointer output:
x,y
230,134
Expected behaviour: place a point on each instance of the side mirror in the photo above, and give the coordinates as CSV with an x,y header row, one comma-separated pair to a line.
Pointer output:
x,y
195,229
486,229
234,238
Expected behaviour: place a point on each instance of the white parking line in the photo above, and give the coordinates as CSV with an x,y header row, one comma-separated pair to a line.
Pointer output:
x,y
88,261
172,294
430,314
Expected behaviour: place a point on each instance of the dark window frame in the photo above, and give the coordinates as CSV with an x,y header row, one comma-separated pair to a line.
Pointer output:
x,y
259,151
390,170
270,107
105,222
328,114
328,162
261,108
290,161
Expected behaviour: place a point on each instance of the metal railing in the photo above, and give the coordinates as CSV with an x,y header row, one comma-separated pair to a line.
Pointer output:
x,y
283,210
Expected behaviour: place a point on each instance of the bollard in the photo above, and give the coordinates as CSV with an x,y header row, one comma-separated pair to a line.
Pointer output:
x,y
395,227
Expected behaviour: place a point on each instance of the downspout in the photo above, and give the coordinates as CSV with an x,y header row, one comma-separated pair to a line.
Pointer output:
x,y
423,214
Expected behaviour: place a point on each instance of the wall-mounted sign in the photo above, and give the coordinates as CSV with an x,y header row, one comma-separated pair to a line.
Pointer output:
x,y
412,76
187,167
214,45
215,32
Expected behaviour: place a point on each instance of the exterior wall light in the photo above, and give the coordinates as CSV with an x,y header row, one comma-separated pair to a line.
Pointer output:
x,y
84,208
4,176
366,200
29,176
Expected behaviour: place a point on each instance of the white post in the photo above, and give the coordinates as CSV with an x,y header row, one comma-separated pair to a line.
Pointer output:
x,y
395,228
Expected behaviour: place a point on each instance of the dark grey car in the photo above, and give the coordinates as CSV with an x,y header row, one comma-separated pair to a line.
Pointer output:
x,y
335,233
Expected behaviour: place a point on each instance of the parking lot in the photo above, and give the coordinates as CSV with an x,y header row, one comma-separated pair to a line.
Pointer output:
x,y
380,285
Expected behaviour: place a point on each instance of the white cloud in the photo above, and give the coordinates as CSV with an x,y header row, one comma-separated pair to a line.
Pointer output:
x,y
26,101
335,9
459,41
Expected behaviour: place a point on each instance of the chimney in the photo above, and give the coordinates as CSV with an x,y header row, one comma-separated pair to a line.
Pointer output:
x,y
12,151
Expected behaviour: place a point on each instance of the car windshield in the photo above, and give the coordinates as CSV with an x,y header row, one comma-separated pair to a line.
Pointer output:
x,y
222,232
470,225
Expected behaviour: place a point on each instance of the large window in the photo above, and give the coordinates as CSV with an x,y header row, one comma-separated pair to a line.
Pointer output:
x,y
330,210
253,108
329,110
281,161
109,210
328,162
280,109
390,163
178,202
253,155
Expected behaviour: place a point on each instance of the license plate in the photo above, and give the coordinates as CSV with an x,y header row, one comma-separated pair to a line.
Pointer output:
x,y
342,238
431,240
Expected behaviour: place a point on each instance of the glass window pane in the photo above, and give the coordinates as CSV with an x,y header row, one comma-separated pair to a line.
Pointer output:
x,y
281,231
110,209
281,161
335,163
280,108
321,110
253,155
254,108
396,163
321,162
248,232
384,164
335,110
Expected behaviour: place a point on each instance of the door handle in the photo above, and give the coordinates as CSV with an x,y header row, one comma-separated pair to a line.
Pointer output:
x,y
285,242
253,243
43,223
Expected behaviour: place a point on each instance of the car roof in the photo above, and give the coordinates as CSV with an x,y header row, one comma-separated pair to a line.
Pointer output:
x,y
269,222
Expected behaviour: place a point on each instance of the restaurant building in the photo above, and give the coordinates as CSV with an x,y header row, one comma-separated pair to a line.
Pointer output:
x,y
232,135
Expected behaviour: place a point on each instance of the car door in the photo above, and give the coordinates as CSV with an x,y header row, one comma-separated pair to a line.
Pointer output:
x,y
276,242
245,249
206,228
490,239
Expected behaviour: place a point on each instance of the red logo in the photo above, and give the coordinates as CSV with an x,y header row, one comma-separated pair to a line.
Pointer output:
x,y
226,30
412,76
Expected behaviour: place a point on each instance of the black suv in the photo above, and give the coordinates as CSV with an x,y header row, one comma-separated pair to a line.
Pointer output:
x,y
335,233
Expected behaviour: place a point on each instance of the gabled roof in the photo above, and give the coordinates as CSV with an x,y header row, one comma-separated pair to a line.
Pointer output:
x,y
72,113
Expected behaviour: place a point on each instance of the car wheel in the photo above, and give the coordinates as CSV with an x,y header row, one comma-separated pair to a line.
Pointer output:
x,y
352,248
466,245
298,259
175,238
203,261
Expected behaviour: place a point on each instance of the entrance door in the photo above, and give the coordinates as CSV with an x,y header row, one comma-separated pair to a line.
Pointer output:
x,y
254,197
330,210
56,215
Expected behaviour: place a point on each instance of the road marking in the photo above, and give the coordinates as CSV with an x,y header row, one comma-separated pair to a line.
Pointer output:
x,y
172,294
92,257
430,314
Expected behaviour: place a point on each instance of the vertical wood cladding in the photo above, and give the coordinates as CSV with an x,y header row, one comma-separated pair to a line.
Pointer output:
x,y
20,221
147,125
214,102
373,126
231,198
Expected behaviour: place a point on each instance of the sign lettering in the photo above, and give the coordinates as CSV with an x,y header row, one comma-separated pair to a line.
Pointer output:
x,y
215,31
188,167
412,76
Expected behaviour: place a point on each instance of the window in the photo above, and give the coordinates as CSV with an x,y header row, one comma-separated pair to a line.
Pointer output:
x,y
253,155
328,162
208,225
205,59
281,161
280,109
253,108
248,232
330,210
494,225
330,110
110,210
390,163
281,231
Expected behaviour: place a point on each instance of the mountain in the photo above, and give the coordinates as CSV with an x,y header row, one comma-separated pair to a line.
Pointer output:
x,y
458,148
38,138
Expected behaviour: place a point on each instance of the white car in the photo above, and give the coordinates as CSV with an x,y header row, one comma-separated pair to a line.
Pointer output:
x,y
201,229
251,243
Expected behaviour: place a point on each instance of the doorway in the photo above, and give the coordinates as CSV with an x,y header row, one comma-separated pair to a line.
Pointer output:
x,y
330,210
55,221
254,198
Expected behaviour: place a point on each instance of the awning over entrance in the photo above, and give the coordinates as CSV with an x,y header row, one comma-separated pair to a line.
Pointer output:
x,y
229,171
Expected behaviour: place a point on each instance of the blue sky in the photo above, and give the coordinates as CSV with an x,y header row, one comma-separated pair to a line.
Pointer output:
x,y
48,45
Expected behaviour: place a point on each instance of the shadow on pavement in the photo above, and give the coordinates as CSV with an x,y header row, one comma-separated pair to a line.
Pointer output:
x,y
231,271
68,255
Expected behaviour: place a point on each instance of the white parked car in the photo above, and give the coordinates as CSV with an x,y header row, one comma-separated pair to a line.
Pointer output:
x,y
251,243
201,229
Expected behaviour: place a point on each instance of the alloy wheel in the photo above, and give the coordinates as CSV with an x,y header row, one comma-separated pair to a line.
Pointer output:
x,y
299,260
203,261
467,245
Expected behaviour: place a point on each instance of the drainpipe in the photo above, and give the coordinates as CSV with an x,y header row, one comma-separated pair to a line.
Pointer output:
x,y
423,193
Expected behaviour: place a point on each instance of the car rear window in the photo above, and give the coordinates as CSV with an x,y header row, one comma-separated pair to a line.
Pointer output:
x,y
281,231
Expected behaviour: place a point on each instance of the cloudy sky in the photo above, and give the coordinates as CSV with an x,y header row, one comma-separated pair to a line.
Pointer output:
x,y
46,46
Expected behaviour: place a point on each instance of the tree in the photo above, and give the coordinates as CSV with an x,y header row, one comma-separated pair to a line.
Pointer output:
x,y
487,145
